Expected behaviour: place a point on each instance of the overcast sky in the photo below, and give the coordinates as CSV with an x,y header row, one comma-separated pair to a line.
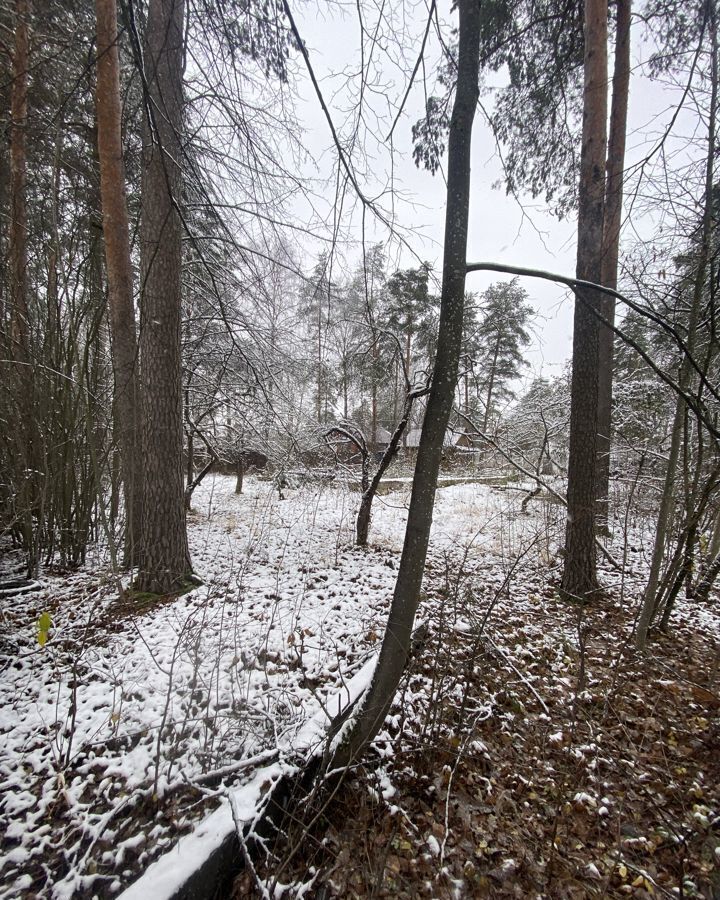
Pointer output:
x,y
501,228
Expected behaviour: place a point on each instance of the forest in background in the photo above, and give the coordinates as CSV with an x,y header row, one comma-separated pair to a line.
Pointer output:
x,y
167,318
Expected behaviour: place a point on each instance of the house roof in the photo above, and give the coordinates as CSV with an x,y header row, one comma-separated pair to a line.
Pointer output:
x,y
412,439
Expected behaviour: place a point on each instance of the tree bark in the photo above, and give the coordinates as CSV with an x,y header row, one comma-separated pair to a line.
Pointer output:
x,y
26,435
319,363
19,317
190,461
239,475
374,392
4,251
650,598
491,386
611,244
396,643
580,572
165,557
116,233
702,591
370,486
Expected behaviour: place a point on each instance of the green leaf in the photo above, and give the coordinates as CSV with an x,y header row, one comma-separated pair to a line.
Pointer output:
x,y
44,624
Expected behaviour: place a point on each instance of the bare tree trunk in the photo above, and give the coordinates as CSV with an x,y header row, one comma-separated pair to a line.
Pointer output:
x,y
714,548
239,474
408,354
580,572
165,557
20,332
667,502
116,233
395,394
52,336
711,566
374,424
19,317
611,244
190,461
5,90
370,486
491,386
650,597
319,364
396,643
702,591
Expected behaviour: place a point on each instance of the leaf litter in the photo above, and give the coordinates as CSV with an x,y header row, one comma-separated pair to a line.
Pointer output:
x,y
530,751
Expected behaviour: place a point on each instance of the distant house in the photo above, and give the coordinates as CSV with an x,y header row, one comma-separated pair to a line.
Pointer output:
x,y
465,441
453,439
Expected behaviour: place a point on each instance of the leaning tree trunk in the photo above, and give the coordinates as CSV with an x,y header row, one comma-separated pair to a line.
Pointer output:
x,y
396,643
580,574
116,233
371,485
611,244
165,557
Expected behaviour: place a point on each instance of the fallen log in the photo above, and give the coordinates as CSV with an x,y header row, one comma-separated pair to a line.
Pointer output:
x,y
203,864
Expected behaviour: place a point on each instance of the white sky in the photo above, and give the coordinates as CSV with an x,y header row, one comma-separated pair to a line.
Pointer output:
x,y
500,229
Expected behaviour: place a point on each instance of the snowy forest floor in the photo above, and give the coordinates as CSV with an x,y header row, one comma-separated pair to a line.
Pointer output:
x,y
531,751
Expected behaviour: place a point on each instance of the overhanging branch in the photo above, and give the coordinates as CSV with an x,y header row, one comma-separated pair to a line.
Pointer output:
x,y
574,284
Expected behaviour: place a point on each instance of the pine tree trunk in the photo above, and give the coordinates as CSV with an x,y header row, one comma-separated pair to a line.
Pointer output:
x,y
165,557
20,332
580,572
611,244
19,316
116,233
396,643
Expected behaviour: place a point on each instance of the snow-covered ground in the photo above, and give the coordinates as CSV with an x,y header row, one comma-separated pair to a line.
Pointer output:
x,y
121,708
132,723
